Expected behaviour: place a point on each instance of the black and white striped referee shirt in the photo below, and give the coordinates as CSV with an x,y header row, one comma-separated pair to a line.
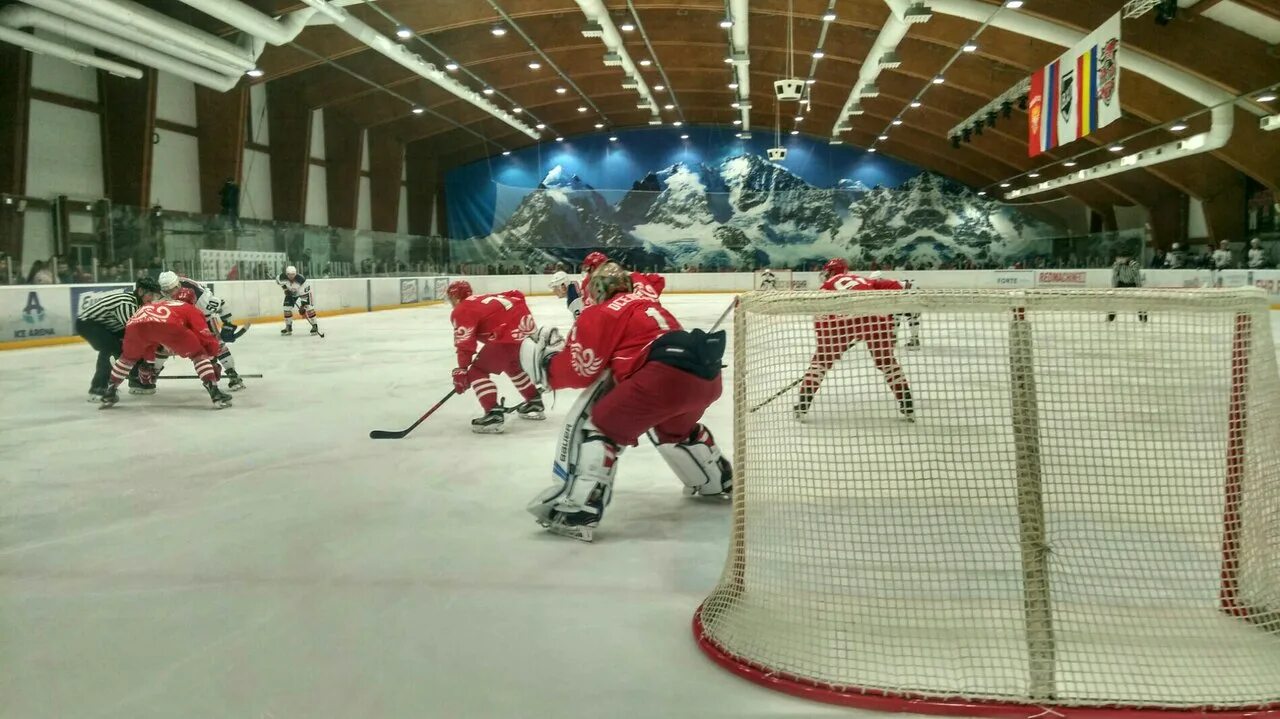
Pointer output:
x,y
110,309
1126,274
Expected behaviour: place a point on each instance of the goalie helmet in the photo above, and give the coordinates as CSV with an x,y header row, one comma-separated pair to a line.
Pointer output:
x,y
169,280
594,260
609,280
185,295
835,266
458,290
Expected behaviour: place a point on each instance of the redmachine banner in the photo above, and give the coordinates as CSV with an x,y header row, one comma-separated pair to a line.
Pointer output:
x,y
1078,93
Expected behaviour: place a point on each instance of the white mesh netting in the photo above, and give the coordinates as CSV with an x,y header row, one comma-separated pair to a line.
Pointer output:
x,y
1084,513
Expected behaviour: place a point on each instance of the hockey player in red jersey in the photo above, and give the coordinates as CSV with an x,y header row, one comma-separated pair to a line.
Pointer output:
x,y
836,334
500,321
644,374
648,284
180,327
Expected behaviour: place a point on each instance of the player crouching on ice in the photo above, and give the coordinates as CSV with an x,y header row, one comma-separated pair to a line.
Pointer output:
x,y
217,318
180,327
836,334
644,374
501,321
297,293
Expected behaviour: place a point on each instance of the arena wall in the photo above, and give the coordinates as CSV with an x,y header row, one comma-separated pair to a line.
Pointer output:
x,y
39,315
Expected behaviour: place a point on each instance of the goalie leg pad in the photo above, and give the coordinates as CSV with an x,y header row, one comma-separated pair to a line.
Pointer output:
x,y
584,492
569,459
698,463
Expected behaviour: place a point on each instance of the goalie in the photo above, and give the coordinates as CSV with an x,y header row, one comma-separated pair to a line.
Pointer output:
x,y
836,334
644,375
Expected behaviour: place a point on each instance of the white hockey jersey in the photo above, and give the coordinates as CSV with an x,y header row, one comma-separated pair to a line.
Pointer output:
x,y
299,286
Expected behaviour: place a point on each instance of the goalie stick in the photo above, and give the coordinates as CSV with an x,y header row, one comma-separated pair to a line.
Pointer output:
x,y
401,434
780,392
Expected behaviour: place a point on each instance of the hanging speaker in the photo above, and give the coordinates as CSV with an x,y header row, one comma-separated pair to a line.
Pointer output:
x,y
790,89
777,154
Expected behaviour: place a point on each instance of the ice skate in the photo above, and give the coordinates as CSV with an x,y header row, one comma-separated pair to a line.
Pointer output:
x,y
220,399
315,329
234,382
110,397
490,422
137,386
96,393
561,527
288,330
532,409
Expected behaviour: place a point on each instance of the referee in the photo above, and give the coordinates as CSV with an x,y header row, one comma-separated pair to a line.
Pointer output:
x,y
101,322
1126,272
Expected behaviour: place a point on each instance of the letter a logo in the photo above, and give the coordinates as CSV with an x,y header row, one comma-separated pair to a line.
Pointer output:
x,y
34,311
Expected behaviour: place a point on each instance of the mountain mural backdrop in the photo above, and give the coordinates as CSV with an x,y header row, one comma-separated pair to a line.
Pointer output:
x,y
748,212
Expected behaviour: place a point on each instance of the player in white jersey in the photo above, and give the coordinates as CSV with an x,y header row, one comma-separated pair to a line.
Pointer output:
x,y
216,315
768,280
297,293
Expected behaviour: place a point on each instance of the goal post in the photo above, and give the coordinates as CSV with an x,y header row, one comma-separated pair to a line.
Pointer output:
x,y
1082,520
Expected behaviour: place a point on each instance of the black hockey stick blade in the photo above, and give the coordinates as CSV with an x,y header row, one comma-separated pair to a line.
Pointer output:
x,y
196,376
780,392
401,434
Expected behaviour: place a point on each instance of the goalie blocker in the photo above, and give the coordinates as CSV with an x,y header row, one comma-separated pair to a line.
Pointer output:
x,y
646,376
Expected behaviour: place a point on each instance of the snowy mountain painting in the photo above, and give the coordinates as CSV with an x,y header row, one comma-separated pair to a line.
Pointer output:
x,y
749,212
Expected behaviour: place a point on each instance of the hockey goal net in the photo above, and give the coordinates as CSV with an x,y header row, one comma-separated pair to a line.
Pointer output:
x,y
1083,517
773,280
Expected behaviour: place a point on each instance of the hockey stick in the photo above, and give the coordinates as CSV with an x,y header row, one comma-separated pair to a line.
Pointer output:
x,y
723,315
393,434
193,376
781,392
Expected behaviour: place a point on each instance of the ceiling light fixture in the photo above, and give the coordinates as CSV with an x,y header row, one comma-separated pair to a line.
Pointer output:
x,y
916,104
255,72
1267,97
737,122
599,125
938,80
1178,126
488,91
418,110
1005,184
659,88
646,62
735,105
627,26
1013,4
818,54
684,137
810,81
882,138
614,138
451,66
535,65
726,23
1070,163
1116,148
733,86
404,33
896,122
969,47
677,123
829,16
799,118
668,106
517,110
1034,175
871,149
795,132
541,126
498,31
559,139
506,153
582,108
561,90
982,193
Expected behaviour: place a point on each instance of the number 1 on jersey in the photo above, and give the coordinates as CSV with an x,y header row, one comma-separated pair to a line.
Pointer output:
x,y
657,317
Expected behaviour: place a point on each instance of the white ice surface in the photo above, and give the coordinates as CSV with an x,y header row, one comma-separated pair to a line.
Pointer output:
x,y
165,560
162,559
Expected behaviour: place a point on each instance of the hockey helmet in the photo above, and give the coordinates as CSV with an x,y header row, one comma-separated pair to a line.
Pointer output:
x,y
169,280
876,275
559,279
146,285
608,280
185,295
458,290
291,271
594,260
835,266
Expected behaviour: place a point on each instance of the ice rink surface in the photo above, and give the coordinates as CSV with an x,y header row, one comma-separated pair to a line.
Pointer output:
x,y
162,559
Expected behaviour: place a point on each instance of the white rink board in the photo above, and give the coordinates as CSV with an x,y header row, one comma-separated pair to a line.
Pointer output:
x,y
165,560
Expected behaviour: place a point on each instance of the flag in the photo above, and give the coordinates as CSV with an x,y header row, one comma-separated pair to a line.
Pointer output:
x,y
1078,93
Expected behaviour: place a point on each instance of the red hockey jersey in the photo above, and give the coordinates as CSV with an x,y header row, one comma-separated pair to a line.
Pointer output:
x,y
615,335
843,327
501,317
646,284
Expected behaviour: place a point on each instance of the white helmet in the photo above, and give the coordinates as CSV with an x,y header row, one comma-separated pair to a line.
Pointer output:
x,y
290,271
559,279
876,275
1177,246
168,281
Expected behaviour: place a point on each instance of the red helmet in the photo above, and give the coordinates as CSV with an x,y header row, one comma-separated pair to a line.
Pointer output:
x,y
835,266
594,260
185,295
458,290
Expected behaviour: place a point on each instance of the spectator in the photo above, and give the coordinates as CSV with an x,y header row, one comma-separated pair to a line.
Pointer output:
x,y
1157,258
1175,259
61,273
1257,255
1222,259
230,197
40,274
4,270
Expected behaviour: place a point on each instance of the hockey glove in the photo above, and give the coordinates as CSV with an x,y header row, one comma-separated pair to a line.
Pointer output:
x,y
460,383
536,353
228,332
